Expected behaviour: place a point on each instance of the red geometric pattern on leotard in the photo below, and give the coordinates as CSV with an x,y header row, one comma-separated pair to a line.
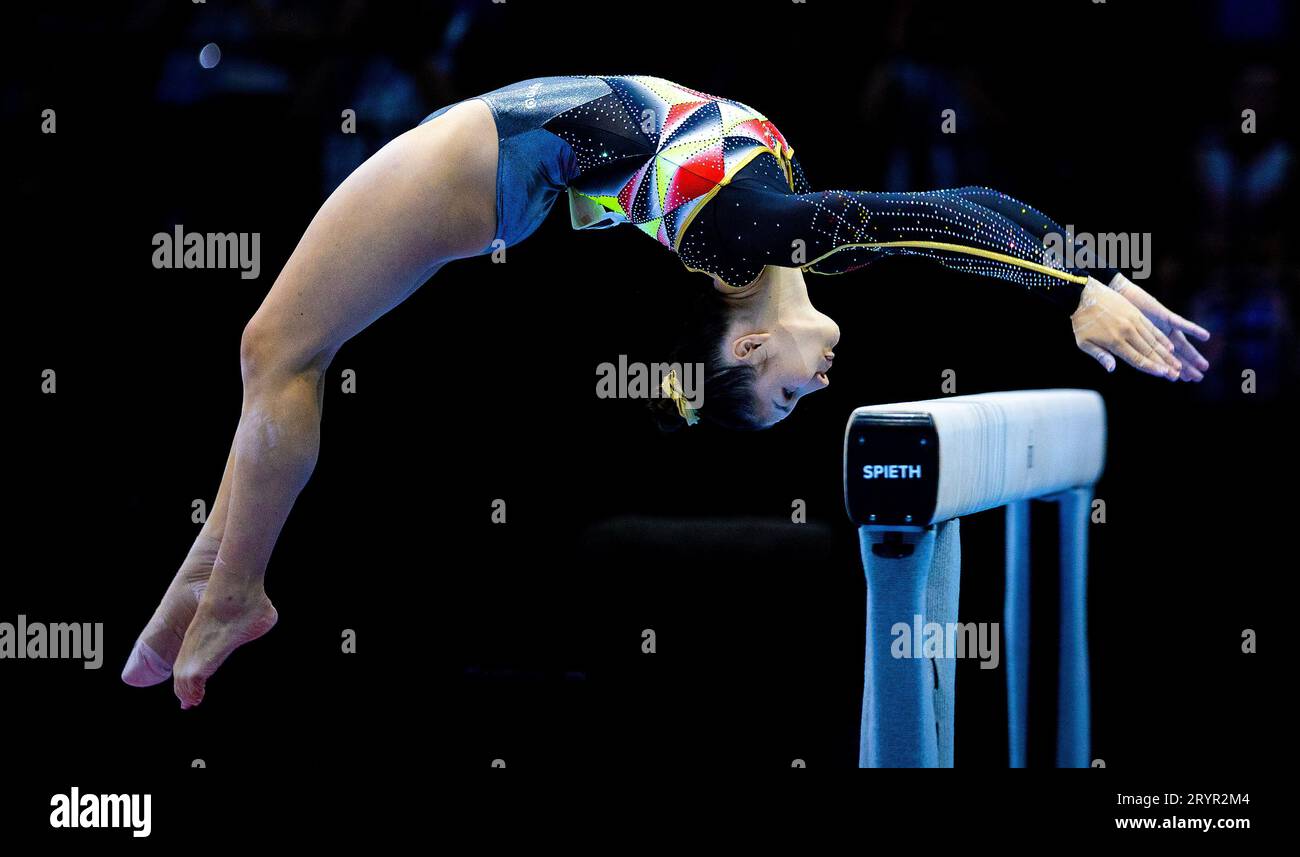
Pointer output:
x,y
651,151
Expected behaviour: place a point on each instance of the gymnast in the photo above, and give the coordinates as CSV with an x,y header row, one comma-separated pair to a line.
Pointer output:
x,y
709,178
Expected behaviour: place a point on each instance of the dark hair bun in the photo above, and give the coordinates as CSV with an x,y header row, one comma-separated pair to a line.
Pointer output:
x,y
699,339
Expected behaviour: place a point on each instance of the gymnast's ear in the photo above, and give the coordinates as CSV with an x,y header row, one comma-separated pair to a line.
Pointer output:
x,y
750,347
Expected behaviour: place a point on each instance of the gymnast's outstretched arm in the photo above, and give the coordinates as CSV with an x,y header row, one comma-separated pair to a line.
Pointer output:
x,y
759,219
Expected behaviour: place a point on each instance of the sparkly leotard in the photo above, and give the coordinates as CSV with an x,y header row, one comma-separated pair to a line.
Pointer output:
x,y
716,182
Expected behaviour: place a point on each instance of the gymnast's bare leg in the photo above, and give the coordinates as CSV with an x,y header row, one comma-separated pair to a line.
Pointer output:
x,y
426,198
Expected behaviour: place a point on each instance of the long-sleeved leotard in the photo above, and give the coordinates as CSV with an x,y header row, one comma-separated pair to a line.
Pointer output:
x,y
761,217
714,180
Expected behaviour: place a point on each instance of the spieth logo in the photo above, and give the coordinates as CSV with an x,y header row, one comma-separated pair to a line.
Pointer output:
x,y
891,471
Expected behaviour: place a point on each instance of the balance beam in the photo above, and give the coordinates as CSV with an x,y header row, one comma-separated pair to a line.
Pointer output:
x,y
911,470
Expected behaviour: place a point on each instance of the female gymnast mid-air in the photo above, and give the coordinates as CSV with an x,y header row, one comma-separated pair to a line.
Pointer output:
x,y
709,178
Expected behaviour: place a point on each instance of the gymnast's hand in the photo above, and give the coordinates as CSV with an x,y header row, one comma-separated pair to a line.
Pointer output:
x,y
1169,323
1106,326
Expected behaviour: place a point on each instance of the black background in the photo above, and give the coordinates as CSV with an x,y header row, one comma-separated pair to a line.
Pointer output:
x,y
522,642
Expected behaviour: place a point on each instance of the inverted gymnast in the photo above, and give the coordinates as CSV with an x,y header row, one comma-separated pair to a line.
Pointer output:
x,y
709,178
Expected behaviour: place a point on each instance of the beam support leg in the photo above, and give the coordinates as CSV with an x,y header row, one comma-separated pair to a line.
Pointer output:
x,y
941,596
1073,702
1015,619
908,702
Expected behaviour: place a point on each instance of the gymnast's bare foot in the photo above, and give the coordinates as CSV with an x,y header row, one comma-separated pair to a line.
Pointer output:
x,y
155,651
228,616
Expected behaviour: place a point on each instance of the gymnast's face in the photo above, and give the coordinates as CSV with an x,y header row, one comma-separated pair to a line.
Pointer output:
x,y
793,358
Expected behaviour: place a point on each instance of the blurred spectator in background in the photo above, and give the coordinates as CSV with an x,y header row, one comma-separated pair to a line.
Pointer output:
x,y
905,103
1246,177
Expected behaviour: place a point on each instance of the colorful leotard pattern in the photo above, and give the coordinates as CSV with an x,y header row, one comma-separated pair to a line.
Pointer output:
x,y
715,181
651,153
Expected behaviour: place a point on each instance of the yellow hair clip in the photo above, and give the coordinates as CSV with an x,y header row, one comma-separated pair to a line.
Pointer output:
x,y
673,390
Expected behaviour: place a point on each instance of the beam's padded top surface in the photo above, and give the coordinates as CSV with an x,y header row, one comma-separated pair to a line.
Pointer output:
x,y
997,448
